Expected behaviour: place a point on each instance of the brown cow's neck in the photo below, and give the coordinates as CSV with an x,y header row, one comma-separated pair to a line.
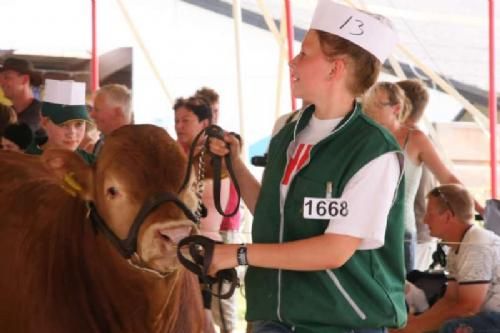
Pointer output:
x,y
60,277
77,282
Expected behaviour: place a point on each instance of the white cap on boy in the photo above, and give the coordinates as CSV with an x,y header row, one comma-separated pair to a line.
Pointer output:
x,y
362,29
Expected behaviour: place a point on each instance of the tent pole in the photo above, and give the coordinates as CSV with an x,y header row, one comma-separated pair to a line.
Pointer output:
x,y
479,117
239,80
281,64
492,100
94,62
145,51
269,21
290,36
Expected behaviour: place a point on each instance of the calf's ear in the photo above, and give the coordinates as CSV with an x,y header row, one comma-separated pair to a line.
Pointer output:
x,y
71,171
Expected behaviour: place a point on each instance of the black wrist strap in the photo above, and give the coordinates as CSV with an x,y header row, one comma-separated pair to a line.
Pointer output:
x,y
241,255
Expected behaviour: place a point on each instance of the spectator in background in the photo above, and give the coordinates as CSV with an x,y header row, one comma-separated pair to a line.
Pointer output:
x,y
192,115
64,116
212,97
18,78
387,104
417,93
16,137
112,110
472,299
230,226
90,138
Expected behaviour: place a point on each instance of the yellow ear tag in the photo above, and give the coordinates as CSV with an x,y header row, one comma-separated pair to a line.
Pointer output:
x,y
70,182
68,190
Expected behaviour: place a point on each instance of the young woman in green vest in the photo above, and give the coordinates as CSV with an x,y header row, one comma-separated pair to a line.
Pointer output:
x,y
327,252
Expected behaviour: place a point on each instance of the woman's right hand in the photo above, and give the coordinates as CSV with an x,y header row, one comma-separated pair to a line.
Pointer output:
x,y
230,145
248,185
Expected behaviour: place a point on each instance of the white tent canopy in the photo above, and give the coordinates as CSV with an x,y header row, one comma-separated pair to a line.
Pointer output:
x,y
192,47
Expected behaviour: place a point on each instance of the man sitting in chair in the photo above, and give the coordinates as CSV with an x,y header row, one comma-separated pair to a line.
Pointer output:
x,y
472,299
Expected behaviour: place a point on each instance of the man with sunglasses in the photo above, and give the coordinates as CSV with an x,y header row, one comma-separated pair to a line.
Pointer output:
x,y
472,299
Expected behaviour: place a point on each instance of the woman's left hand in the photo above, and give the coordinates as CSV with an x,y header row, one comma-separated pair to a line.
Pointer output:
x,y
224,257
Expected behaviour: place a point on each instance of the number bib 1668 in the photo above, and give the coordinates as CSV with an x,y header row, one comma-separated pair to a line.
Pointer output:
x,y
325,208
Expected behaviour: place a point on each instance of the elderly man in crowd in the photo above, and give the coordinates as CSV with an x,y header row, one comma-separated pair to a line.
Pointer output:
x,y
112,110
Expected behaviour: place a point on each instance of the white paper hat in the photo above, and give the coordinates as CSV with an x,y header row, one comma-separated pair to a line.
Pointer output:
x,y
358,27
64,101
64,92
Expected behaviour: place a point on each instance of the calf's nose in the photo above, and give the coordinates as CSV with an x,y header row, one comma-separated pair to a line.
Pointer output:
x,y
175,234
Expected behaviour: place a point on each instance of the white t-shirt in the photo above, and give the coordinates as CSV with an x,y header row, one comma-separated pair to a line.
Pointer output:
x,y
478,261
370,192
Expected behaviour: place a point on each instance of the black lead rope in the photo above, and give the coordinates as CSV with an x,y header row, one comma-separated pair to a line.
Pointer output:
x,y
217,165
201,250
214,131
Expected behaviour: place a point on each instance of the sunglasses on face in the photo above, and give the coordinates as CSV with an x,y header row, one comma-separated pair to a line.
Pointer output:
x,y
439,194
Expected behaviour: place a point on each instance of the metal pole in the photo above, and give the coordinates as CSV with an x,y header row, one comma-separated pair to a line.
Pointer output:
x,y
94,62
290,36
283,56
479,117
492,100
239,80
147,54
237,20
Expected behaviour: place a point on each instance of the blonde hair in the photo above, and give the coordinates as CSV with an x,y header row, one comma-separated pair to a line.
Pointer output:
x,y
457,199
418,96
396,96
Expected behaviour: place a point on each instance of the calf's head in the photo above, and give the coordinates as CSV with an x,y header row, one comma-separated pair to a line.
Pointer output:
x,y
137,165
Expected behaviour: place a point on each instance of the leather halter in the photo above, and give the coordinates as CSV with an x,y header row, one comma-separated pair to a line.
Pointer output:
x,y
128,246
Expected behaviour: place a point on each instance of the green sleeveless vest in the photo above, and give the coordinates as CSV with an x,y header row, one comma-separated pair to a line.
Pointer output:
x,y
368,290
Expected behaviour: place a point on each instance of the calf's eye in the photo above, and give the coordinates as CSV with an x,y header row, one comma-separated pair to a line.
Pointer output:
x,y
111,192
